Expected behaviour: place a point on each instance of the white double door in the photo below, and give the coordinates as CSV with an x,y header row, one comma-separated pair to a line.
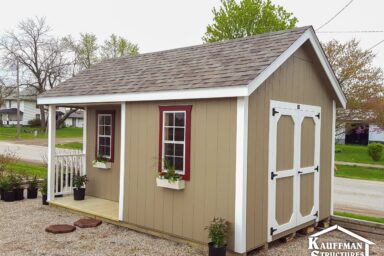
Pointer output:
x,y
294,165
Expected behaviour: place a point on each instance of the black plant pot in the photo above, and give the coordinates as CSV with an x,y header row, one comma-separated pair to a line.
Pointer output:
x,y
19,194
9,196
44,200
2,194
216,251
78,194
32,193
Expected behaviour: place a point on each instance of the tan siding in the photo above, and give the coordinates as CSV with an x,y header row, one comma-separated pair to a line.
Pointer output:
x,y
211,189
300,81
102,183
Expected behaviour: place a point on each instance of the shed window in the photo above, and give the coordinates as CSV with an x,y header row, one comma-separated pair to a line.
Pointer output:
x,y
175,133
105,135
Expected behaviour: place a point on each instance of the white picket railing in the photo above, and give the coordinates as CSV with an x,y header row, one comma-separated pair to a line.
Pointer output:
x,y
66,166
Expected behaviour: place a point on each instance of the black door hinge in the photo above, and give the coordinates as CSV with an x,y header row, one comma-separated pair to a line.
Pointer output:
x,y
318,115
273,230
316,214
298,106
273,175
274,112
317,168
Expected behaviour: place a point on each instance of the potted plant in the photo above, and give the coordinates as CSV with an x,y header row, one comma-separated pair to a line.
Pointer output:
x,y
1,187
217,233
16,181
7,187
101,163
32,188
169,178
44,189
78,182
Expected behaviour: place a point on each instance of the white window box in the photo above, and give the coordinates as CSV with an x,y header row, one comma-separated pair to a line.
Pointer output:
x,y
102,165
164,183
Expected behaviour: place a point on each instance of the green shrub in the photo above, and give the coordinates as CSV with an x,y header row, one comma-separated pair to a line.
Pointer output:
x,y
218,231
375,151
34,122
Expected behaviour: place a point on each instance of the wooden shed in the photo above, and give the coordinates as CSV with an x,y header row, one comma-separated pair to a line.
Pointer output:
x,y
248,123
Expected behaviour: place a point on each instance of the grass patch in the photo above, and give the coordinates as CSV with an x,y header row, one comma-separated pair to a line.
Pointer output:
x,y
357,172
359,217
9,133
354,154
29,169
71,145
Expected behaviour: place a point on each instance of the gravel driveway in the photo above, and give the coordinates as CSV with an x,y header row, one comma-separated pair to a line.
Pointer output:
x,y
22,232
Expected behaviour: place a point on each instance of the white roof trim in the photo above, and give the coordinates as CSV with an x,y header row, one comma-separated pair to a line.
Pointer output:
x,y
203,93
307,35
221,92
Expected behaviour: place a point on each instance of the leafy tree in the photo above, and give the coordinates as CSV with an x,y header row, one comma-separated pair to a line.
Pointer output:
x,y
118,47
360,80
85,51
247,18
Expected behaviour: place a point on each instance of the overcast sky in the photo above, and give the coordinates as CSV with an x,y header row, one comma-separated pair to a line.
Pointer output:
x,y
158,25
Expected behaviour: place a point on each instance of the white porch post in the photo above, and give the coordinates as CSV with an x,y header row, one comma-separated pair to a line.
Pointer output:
x,y
333,134
84,159
241,174
51,151
122,159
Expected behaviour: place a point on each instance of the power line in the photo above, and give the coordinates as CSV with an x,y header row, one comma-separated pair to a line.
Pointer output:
x,y
337,14
350,31
377,44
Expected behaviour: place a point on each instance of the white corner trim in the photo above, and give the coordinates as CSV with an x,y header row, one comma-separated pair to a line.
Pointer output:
x,y
221,92
307,35
333,155
51,152
241,174
122,160
85,122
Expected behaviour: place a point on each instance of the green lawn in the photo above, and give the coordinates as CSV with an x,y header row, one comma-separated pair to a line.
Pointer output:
x,y
29,169
355,154
71,145
359,217
357,172
9,133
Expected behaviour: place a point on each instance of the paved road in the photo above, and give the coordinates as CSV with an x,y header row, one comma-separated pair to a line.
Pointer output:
x,y
32,153
359,196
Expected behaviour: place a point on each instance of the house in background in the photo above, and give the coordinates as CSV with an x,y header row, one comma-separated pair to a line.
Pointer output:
x,y
248,123
359,132
75,119
28,108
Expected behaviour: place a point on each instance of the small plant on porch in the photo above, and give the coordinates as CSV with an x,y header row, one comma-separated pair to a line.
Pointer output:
x,y
79,182
169,178
32,188
44,190
101,163
217,233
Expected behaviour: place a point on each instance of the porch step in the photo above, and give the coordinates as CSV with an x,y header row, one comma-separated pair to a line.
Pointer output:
x,y
87,223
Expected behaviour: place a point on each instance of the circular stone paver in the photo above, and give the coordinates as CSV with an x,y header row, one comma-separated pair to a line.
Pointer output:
x,y
87,223
60,229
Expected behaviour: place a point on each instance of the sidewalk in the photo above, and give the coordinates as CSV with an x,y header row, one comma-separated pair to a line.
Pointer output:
x,y
378,166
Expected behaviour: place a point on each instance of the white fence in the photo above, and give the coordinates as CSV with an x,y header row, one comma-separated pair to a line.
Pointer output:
x,y
67,166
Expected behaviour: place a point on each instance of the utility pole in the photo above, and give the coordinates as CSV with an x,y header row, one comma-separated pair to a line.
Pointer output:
x,y
18,100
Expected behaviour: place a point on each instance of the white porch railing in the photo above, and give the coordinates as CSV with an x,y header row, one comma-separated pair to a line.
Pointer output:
x,y
66,166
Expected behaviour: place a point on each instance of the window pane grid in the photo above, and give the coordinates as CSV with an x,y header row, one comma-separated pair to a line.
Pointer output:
x,y
104,135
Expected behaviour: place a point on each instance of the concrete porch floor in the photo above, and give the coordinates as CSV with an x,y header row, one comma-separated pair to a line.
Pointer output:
x,y
91,205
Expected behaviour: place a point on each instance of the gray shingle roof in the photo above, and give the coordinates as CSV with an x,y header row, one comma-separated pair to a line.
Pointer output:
x,y
229,63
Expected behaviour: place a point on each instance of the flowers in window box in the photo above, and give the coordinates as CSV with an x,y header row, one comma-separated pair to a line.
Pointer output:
x,y
169,178
101,163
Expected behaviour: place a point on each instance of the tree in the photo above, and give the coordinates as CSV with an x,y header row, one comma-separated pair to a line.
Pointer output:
x,y
85,51
40,55
360,80
118,47
247,18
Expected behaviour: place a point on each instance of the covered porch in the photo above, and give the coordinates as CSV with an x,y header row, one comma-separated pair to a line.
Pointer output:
x,y
62,167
